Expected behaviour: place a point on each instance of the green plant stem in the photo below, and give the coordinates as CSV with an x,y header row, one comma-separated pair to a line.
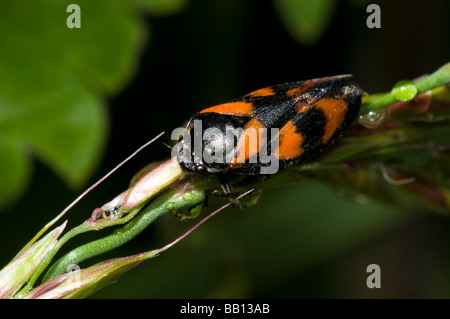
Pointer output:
x,y
438,78
83,228
166,202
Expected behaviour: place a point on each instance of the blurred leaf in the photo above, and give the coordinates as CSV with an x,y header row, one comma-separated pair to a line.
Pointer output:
x,y
161,7
52,80
305,20
14,170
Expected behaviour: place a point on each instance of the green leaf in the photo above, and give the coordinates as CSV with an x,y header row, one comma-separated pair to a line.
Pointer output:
x,y
64,129
162,7
53,80
14,170
305,20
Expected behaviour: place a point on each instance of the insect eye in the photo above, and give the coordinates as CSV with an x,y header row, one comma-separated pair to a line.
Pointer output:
x,y
200,169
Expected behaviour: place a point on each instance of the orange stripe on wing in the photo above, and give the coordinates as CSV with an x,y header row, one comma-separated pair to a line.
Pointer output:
x,y
334,110
290,142
301,89
295,91
234,108
262,92
249,143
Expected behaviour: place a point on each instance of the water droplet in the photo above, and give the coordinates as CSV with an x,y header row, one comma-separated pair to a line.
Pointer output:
x,y
404,90
170,206
373,119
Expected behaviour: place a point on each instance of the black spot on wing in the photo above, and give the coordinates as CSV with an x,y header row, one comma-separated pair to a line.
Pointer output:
x,y
274,110
311,125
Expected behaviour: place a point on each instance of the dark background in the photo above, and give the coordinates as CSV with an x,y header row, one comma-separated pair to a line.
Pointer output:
x,y
301,240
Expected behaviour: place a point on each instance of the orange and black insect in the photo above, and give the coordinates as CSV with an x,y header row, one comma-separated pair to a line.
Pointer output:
x,y
302,117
